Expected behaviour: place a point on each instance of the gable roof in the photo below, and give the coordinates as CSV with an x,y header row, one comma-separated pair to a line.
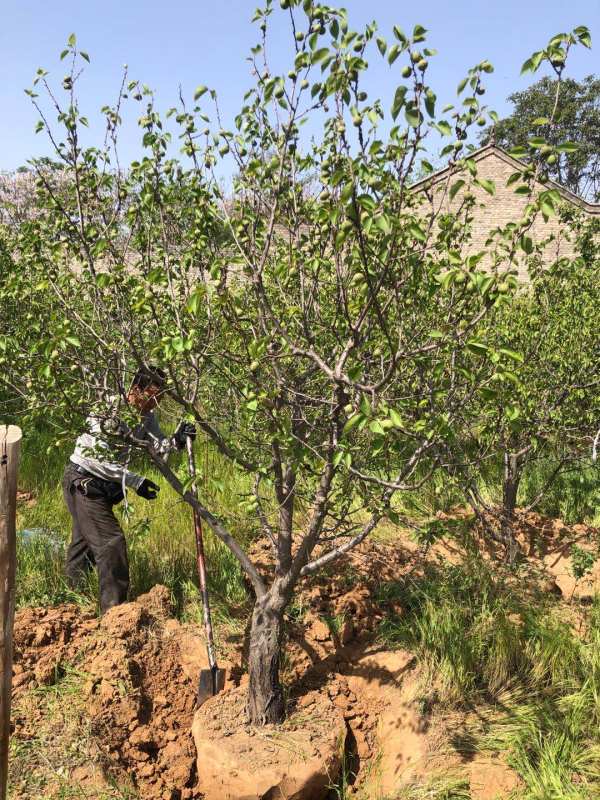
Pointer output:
x,y
493,150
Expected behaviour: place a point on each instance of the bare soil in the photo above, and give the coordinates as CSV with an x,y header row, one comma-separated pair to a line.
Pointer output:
x,y
138,686
138,669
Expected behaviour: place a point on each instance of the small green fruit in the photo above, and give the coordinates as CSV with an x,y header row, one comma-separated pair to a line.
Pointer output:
x,y
406,72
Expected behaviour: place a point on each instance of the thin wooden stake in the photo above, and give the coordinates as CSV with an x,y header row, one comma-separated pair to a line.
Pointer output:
x,y
10,449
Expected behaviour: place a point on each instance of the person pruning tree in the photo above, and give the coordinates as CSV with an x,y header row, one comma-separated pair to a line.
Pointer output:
x,y
96,478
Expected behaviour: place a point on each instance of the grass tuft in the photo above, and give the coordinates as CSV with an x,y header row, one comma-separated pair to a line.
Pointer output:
x,y
535,683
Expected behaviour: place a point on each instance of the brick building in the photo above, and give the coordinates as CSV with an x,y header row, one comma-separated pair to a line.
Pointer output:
x,y
504,206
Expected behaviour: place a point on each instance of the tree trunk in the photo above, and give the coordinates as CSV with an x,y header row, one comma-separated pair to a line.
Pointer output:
x,y
10,444
266,702
510,488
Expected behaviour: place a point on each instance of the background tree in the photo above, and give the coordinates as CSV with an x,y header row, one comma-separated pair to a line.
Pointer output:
x,y
540,401
575,109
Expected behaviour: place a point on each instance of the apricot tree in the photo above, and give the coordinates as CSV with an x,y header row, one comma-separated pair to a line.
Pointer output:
x,y
315,319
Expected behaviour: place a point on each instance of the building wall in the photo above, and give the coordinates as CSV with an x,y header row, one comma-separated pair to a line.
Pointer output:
x,y
504,206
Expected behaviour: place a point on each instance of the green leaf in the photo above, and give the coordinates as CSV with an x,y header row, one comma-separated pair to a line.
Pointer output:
x,y
398,100
72,40
488,185
393,54
430,99
396,418
477,347
383,223
568,147
352,422
200,90
512,354
84,55
382,45
417,232
400,35
462,85
319,55
527,66
536,142
547,208
413,115
456,187
512,413
518,152
526,243
376,427
103,280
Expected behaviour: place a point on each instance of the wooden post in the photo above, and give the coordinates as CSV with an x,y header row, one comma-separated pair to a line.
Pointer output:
x,y
10,448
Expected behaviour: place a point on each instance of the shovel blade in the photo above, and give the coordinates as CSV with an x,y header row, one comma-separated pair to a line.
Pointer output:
x,y
211,683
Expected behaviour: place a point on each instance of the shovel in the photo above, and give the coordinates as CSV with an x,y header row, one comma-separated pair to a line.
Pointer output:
x,y
212,680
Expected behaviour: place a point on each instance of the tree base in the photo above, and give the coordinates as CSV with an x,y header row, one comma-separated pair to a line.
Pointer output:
x,y
298,760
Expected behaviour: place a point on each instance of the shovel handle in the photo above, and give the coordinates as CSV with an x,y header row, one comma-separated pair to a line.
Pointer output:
x,y
210,645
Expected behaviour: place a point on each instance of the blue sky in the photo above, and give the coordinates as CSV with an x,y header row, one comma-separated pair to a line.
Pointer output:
x,y
184,42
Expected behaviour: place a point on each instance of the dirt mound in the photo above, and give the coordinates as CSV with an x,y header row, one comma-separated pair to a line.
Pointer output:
x,y
299,759
44,640
141,673
566,556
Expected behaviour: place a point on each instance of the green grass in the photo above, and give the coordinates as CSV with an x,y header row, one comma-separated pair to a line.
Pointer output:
x,y
41,765
535,685
438,787
159,534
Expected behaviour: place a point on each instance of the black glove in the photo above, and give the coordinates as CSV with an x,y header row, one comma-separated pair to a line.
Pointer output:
x,y
184,429
148,489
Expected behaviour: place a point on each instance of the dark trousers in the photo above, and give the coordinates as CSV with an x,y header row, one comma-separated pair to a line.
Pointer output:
x,y
97,540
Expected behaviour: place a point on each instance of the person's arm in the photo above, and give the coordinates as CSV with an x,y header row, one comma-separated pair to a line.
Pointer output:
x,y
162,444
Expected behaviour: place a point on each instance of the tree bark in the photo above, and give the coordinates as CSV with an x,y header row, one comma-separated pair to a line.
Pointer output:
x,y
510,488
10,444
266,703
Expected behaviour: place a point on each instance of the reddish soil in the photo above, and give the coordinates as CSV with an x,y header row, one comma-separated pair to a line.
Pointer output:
x,y
300,759
142,668
140,696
